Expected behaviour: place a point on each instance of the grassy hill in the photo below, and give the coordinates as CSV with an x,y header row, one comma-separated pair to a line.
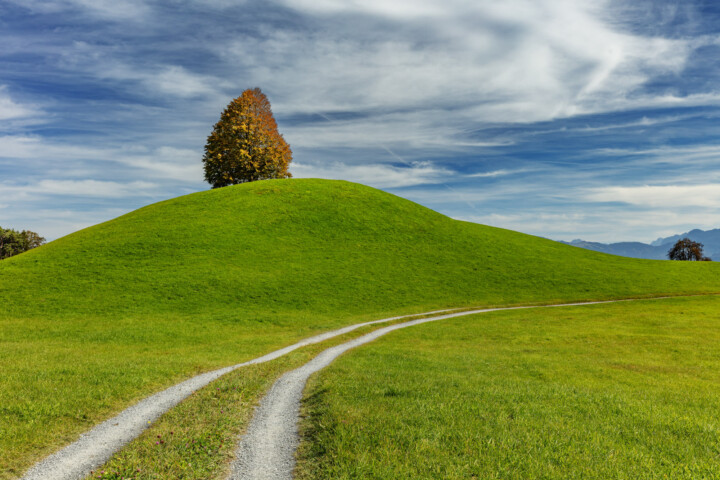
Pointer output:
x,y
311,245
107,315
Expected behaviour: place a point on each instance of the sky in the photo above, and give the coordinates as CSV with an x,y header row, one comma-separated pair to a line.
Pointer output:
x,y
559,118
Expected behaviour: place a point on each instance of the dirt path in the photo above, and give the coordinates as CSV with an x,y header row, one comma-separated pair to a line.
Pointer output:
x,y
267,450
96,446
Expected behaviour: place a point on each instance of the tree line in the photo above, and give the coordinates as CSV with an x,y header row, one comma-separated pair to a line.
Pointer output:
x,y
13,242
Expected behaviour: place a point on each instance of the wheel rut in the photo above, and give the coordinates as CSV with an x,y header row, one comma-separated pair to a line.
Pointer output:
x,y
267,450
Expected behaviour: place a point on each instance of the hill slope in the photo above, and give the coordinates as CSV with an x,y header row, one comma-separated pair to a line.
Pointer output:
x,y
98,319
311,245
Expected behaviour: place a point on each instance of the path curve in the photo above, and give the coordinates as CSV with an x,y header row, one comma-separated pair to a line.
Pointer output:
x,y
267,450
96,446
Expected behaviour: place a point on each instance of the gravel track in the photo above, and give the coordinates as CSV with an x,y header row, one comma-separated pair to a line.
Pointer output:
x,y
267,450
96,446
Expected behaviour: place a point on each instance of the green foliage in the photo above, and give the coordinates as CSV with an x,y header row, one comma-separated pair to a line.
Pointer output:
x,y
13,242
245,144
626,390
96,320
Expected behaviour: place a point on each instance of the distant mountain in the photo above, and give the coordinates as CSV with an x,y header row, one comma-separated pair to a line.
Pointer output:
x,y
658,249
706,237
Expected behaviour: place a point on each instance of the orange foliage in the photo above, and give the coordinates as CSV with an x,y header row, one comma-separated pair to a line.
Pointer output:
x,y
245,144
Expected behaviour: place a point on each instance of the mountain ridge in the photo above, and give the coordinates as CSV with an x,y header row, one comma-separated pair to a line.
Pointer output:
x,y
657,249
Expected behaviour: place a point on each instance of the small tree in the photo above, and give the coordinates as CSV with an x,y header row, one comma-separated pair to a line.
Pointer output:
x,y
245,145
13,242
686,249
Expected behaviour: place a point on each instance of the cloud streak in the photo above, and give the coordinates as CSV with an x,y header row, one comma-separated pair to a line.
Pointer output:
x,y
377,175
666,196
11,110
79,188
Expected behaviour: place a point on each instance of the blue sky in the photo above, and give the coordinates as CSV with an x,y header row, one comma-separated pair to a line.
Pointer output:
x,y
560,118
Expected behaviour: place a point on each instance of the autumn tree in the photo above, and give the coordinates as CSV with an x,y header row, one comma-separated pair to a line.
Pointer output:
x,y
245,144
686,249
13,242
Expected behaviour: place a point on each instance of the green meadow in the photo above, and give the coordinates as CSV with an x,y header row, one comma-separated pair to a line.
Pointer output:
x,y
197,439
625,390
96,320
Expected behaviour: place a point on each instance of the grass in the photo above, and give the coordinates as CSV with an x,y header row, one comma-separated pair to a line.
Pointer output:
x,y
624,390
197,439
101,318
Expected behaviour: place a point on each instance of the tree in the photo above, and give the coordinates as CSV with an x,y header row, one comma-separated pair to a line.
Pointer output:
x,y
245,145
686,249
13,242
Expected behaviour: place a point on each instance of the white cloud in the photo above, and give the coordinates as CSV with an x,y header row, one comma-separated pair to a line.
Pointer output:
x,y
496,173
668,153
401,9
11,110
169,163
532,223
515,61
671,196
176,80
603,224
171,80
376,175
162,163
416,130
38,148
113,9
109,63
84,188
105,9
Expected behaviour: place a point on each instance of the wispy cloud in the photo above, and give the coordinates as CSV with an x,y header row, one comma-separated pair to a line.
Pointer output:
x,y
506,61
79,188
38,148
377,175
495,173
104,9
643,225
171,80
11,109
669,196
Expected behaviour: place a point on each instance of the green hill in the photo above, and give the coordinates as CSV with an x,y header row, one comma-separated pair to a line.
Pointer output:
x,y
107,315
317,246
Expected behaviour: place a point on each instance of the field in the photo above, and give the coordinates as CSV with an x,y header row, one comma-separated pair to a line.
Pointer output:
x,y
626,390
96,320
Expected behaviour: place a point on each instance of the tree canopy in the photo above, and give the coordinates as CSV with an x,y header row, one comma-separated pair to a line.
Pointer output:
x,y
686,249
13,242
245,144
